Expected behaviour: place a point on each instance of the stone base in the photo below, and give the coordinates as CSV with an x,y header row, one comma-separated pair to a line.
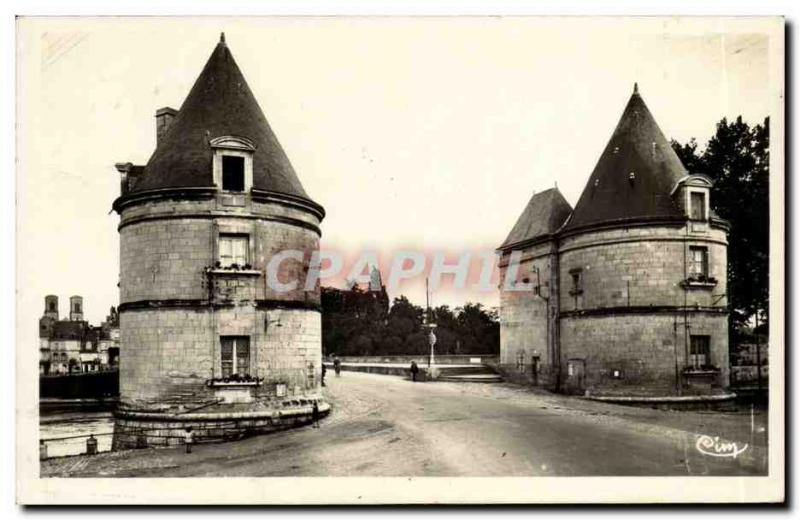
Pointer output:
x,y
689,402
134,429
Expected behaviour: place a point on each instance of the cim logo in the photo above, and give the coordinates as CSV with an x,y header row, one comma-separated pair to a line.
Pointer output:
x,y
713,447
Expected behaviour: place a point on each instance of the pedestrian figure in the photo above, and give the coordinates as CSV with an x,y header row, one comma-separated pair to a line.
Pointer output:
x,y
322,378
414,371
337,366
91,445
188,439
315,415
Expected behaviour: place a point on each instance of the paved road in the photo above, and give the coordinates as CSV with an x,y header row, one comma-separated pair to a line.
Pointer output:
x,y
388,426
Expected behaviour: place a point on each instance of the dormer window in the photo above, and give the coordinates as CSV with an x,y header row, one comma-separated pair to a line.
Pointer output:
x,y
697,205
233,163
691,193
232,173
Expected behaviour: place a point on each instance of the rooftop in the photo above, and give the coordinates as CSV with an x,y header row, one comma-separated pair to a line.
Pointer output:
x,y
219,104
635,173
545,213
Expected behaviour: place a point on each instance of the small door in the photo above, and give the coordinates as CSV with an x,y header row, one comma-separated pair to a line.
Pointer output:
x,y
535,369
576,376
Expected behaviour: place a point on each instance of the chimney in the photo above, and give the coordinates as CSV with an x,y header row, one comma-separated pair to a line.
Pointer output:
x,y
164,117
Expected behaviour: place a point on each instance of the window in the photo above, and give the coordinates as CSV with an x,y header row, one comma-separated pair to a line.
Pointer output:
x,y
521,360
52,306
577,287
700,351
232,165
77,307
698,262
233,250
235,356
698,205
576,276
232,173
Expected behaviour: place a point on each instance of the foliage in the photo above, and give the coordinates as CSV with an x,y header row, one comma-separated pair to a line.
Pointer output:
x,y
737,160
360,322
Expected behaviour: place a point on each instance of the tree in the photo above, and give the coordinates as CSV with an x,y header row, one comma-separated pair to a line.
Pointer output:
x,y
358,322
736,158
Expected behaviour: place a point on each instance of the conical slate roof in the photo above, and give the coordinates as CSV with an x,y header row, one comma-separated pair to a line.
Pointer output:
x,y
219,104
637,146
544,215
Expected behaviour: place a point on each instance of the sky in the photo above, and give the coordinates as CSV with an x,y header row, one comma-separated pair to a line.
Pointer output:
x,y
426,133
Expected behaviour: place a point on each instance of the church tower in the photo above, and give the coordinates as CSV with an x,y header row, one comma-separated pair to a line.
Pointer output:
x,y
208,320
75,308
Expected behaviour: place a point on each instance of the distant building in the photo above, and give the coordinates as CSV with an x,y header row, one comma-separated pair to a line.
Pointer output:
x,y
625,293
72,345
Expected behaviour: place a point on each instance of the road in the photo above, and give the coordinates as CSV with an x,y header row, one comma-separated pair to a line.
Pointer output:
x,y
389,426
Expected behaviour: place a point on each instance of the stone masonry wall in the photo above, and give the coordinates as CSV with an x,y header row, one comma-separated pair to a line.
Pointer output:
x,y
166,258
163,349
170,350
643,348
523,314
640,266
291,352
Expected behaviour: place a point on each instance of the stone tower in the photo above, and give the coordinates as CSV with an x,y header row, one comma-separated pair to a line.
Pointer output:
x,y
75,308
627,292
201,225
51,307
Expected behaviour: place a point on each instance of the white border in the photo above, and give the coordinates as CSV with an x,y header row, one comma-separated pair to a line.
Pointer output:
x,y
417,490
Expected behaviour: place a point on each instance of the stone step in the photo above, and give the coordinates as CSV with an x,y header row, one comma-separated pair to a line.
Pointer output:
x,y
478,369
472,378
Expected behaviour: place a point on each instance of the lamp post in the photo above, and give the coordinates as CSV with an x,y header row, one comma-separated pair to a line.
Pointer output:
x,y
430,324
432,341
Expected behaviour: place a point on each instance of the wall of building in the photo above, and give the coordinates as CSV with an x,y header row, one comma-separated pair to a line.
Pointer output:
x,y
524,315
161,349
169,351
640,266
166,247
633,312
164,259
61,352
644,348
174,311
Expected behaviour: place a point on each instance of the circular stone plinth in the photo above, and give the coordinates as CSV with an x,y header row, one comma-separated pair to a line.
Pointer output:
x,y
143,429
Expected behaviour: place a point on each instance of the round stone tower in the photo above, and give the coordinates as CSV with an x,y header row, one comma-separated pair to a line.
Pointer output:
x,y
214,231
626,294
643,270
